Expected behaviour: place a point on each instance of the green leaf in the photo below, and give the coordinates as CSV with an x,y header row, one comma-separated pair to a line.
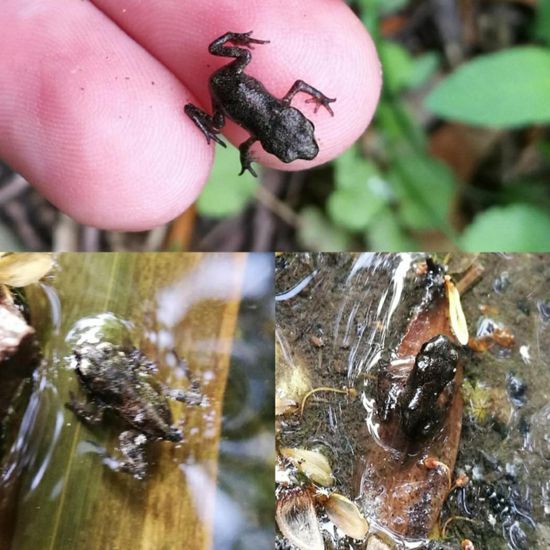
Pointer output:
x,y
360,194
398,65
398,125
384,6
423,68
226,193
401,70
351,167
387,235
503,90
316,233
514,228
542,21
426,188
354,209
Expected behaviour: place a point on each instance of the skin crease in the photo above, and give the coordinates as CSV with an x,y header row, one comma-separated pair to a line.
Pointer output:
x,y
92,94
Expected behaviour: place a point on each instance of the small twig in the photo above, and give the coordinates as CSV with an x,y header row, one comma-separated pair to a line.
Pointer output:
x,y
90,239
65,235
347,391
229,226
26,232
277,206
473,273
155,238
13,188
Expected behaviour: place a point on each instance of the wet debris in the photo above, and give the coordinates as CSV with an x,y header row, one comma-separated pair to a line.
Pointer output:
x,y
346,516
485,404
498,496
19,349
304,481
457,318
492,336
293,378
517,390
297,520
544,310
501,283
312,464
22,269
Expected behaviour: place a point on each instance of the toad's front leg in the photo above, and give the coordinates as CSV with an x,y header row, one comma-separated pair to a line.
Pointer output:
x,y
317,97
89,413
242,55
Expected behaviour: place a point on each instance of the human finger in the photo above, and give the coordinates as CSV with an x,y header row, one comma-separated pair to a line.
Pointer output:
x,y
319,41
92,119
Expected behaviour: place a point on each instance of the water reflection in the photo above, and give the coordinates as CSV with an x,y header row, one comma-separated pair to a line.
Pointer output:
x,y
244,509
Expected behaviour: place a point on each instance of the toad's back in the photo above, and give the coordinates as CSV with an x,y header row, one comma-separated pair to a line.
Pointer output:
x,y
244,99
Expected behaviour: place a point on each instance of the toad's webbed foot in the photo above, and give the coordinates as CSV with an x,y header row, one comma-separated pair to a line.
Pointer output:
x,y
209,125
85,412
320,99
246,157
132,447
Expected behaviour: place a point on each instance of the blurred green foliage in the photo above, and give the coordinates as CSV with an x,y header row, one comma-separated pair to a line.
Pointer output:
x,y
390,192
226,193
493,229
478,94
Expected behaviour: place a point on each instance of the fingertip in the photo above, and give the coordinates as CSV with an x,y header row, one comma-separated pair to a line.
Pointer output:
x,y
155,196
319,41
341,62
98,125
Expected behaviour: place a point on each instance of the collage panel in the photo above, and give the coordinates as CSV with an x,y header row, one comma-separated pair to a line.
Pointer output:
x,y
412,397
136,401
261,125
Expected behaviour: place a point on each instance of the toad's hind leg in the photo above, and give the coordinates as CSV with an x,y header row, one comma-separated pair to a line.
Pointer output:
x,y
210,126
246,157
132,447
317,97
242,55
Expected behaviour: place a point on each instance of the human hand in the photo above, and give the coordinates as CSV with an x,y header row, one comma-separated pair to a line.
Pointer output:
x,y
92,94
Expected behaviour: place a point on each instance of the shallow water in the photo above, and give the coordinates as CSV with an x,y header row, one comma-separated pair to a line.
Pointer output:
x,y
193,316
352,311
